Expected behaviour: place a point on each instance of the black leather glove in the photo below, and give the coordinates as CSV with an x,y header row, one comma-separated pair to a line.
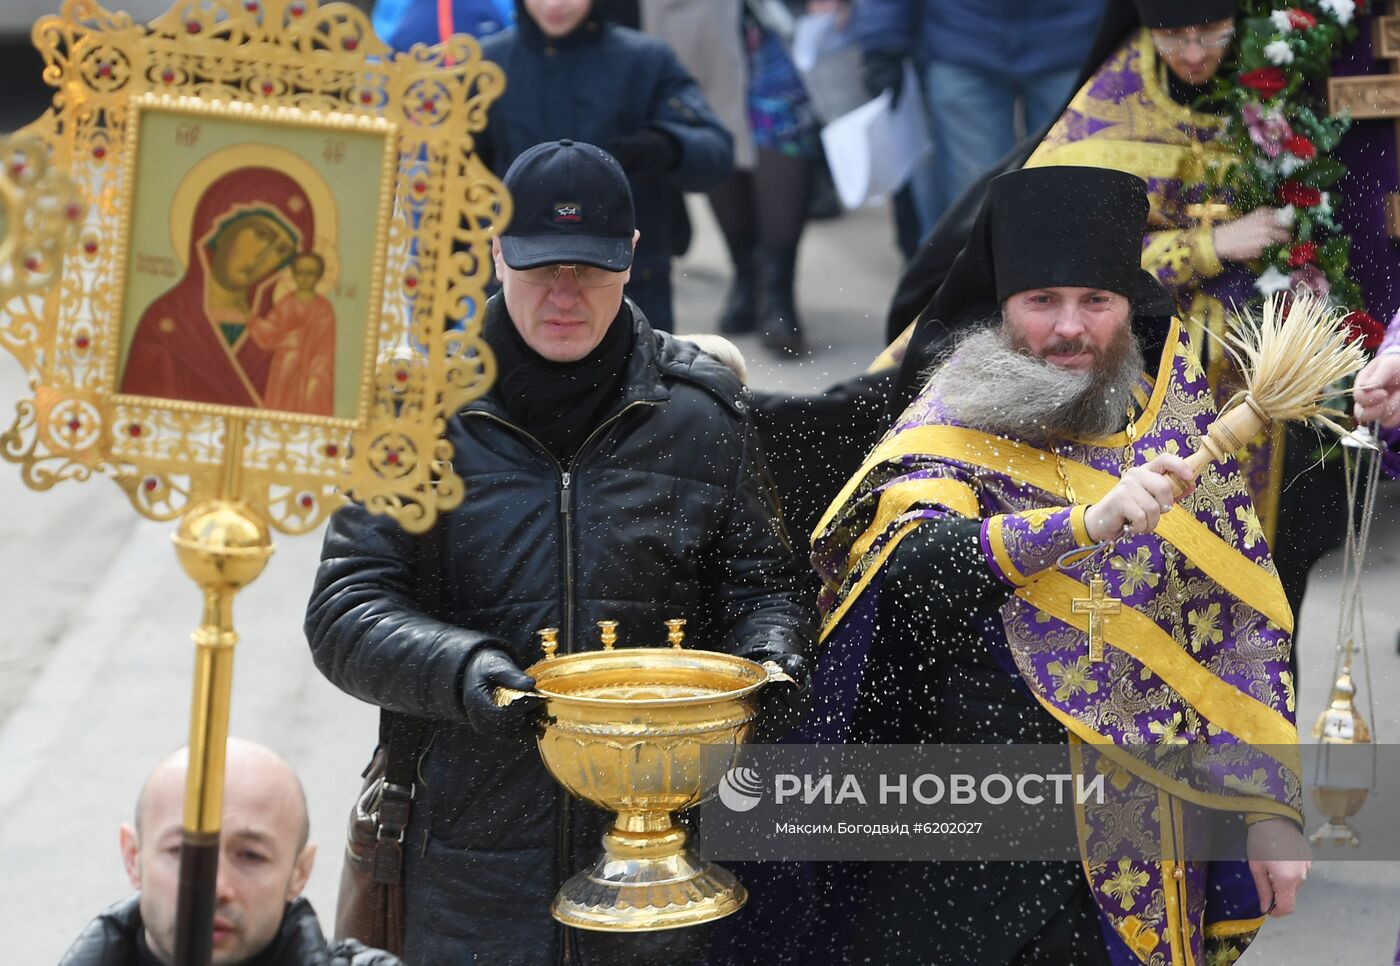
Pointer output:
x,y
882,70
488,669
647,151
781,705
790,695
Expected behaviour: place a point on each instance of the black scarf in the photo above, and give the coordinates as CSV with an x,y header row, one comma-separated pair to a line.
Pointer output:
x,y
144,956
558,403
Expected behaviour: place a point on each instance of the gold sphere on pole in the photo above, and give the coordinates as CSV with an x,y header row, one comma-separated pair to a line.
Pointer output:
x,y
222,544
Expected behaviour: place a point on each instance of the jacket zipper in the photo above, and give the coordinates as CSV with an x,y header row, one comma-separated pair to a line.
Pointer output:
x,y
564,822
566,481
566,522
564,863
566,511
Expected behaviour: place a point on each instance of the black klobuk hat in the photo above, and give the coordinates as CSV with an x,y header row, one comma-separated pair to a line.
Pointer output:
x,y
1042,228
1067,225
1171,14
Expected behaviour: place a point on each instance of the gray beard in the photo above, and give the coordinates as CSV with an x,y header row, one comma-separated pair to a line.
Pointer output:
x,y
989,385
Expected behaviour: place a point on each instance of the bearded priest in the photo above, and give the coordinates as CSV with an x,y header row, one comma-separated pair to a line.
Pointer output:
x,y
965,602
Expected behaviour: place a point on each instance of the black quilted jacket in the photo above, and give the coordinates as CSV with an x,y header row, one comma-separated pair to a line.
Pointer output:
x,y
666,511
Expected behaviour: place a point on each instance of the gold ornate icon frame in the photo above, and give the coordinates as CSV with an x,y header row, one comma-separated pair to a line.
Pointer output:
x,y
273,66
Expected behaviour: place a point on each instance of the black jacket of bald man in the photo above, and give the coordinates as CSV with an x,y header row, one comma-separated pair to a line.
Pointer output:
x,y
116,938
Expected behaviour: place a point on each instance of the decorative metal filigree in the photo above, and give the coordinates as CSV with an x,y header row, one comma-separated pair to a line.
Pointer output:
x,y
40,211
379,145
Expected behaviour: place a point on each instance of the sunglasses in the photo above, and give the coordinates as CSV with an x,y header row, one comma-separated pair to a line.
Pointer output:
x,y
587,276
1212,40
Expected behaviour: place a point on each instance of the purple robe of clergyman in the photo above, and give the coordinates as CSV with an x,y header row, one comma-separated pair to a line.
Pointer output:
x,y
1196,659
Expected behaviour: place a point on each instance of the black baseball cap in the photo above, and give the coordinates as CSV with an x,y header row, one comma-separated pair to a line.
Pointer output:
x,y
572,206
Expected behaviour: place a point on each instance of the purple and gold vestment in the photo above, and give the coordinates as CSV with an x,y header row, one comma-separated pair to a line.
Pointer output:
x,y
1197,658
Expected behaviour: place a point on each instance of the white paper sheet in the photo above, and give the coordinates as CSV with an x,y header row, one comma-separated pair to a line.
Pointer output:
x,y
872,150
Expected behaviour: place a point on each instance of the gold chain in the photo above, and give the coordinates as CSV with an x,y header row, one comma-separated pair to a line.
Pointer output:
x,y
1130,431
1064,478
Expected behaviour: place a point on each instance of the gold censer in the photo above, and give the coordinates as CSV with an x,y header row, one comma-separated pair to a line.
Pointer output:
x,y
1338,794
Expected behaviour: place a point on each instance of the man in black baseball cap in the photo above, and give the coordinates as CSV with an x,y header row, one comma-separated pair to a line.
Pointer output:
x,y
614,475
566,253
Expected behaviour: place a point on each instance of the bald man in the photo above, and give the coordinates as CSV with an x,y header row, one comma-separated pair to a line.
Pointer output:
x,y
265,859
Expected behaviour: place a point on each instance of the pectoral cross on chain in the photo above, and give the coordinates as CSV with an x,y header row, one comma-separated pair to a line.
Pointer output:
x,y
1099,606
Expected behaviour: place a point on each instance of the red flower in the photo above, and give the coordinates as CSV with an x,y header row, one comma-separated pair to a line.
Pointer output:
x,y
1370,332
1301,19
1268,81
1299,146
1303,253
1299,195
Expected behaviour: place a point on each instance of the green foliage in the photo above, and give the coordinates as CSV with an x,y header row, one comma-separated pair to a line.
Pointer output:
x,y
1322,173
1253,181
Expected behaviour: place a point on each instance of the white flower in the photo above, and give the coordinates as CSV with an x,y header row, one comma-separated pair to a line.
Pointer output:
x,y
1325,205
1287,164
1281,22
1286,216
1271,281
1279,53
1343,10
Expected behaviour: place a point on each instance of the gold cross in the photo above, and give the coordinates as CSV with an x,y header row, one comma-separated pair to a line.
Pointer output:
x,y
1208,213
1099,606
1194,170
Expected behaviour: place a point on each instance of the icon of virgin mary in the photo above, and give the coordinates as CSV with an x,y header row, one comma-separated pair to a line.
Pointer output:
x,y
194,343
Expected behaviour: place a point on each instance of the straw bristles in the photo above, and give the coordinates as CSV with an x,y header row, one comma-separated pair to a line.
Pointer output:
x,y
1292,353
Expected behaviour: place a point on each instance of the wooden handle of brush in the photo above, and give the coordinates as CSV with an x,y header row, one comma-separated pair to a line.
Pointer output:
x,y
1226,436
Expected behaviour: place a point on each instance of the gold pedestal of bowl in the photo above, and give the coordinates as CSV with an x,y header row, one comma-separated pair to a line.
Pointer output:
x,y
633,731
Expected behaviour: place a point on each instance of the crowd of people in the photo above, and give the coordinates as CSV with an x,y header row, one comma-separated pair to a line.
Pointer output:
x,y
1022,438
703,96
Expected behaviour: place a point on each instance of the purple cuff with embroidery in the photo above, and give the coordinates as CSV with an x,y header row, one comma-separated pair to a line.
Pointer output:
x,y
1018,546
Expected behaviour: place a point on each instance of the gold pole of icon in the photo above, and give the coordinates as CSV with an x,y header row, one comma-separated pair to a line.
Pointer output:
x,y
223,545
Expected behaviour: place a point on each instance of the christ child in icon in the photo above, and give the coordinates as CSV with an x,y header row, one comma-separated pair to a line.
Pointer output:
x,y
299,331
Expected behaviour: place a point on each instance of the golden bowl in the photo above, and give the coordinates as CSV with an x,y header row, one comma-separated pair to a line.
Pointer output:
x,y
635,731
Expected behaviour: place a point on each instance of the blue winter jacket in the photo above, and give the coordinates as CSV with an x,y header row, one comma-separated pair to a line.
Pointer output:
x,y
1018,37
600,83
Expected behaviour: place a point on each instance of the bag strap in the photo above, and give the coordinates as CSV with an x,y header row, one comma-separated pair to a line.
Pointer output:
x,y
402,737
